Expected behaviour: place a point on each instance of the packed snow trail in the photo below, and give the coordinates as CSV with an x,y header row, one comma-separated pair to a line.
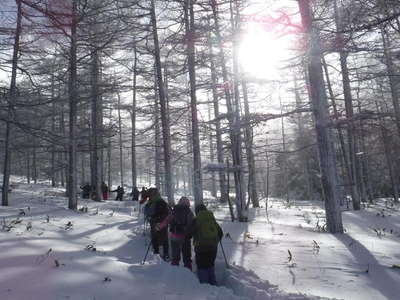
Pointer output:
x,y
50,252
97,255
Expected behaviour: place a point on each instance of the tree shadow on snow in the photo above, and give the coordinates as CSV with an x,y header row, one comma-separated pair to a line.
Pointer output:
x,y
380,276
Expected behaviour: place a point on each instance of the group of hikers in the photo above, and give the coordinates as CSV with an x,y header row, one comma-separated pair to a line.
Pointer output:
x,y
89,192
183,226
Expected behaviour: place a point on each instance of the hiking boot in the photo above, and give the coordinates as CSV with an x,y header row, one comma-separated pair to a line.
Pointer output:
x,y
175,262
165,257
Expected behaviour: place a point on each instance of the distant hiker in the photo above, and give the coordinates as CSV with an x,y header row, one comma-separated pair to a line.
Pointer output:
x,y
120,193
156,211
104,190
144,194
86,189
206,235
135,194
179,221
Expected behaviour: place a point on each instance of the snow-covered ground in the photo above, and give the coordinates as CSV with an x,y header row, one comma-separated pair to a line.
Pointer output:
x,y
50,252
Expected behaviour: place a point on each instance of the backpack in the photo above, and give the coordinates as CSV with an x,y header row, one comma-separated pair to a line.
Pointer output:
x,y
207,233
179,219
156,211
149,210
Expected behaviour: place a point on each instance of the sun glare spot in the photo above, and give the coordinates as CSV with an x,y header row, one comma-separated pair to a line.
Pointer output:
x,y
261,52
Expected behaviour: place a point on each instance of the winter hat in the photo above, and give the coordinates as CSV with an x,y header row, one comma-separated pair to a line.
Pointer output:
x,y
184,201
199,208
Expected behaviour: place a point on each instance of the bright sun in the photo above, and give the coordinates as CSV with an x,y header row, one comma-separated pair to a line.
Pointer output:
x,y
261,53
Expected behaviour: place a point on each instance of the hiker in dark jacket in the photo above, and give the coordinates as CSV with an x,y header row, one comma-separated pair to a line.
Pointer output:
x,y
86,189
135,194
120,193
179,221
206,235
156,211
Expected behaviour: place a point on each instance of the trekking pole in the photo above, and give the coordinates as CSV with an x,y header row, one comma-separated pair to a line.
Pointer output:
x,y
144,226
147,252
223,252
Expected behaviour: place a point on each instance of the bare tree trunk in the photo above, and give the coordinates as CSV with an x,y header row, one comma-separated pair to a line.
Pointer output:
x,y
133,121
237,157
53,130
267,174
228,190
11,100
184,179
218,134
109,153
73,101
189,147
157,146
393,78
163,107
285,165
301,143
28,167
121,154
34,162
388,154
63,155
212,154
345,157
252,186
348,100
190,35
96,132
234,123
362,159
321,115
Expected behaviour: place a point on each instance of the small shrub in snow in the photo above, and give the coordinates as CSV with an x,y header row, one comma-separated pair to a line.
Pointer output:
x,y
290,257
41,258
228,236
381,214
379,232
395,266
68,226
316,247
58,264
91,247
83,209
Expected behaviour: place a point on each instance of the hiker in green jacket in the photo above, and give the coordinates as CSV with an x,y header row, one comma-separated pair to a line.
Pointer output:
x,y
156,211
206,235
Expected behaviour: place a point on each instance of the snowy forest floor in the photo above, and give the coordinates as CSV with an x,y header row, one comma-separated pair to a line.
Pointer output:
x,y
50,252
